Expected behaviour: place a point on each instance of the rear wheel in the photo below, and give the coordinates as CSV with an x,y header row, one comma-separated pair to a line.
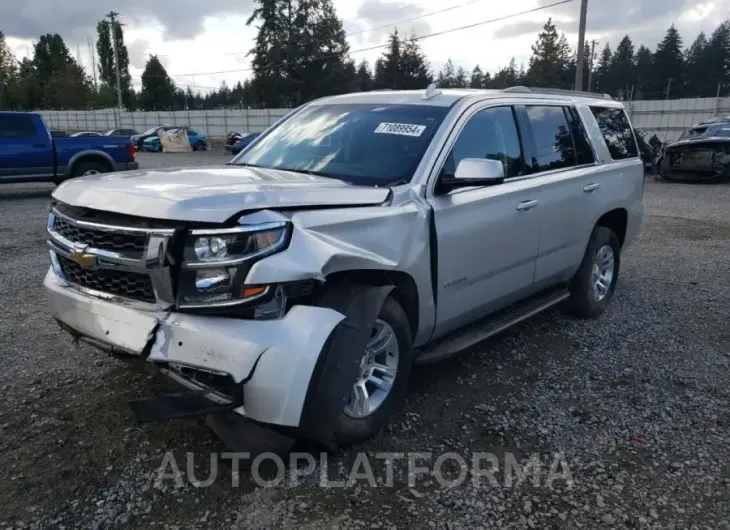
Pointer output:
x,y
380,386
89,168
199,146
593,285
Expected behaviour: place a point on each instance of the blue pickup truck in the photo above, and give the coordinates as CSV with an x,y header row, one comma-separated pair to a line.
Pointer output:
x,y
28,153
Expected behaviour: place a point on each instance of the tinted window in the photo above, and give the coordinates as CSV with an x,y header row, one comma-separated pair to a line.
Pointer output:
x,y
16,127
583,149
617,132
369,144
191,132
491,134
554,147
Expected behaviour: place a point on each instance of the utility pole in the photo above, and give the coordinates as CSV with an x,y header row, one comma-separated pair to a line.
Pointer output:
x,y
581,45
592,64
113,18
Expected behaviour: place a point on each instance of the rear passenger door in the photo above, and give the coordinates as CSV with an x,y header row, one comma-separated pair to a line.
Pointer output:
x,y
23,151
561,163
486,237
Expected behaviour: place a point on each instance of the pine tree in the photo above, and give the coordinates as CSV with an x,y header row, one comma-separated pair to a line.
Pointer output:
x,y
8,74
668,64
603,81
622,70
415,68
158,90
550,58
477,78
643,66
507,76
447,76
61,81
461,80
694,58
716,60
387,68
364,78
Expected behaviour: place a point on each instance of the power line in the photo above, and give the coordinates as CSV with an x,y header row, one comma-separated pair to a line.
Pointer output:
x,y
379,46
388,25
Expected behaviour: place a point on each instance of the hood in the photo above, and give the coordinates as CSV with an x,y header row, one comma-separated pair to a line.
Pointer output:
x,y
210,194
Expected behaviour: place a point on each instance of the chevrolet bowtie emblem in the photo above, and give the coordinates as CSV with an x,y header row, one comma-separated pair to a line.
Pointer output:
x,y
80,256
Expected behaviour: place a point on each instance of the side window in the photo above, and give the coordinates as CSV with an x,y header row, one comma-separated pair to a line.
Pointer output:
x,y
617,132
492,134
583,149
191,132
16,127
554,147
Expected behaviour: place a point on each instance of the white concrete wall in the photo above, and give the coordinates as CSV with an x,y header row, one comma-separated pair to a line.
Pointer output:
x,y
666,119
216,123
669,118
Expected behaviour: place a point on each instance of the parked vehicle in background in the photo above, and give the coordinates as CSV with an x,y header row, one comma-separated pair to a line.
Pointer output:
x,y
138,139
231,138
86,134
242,142
198,141
701,154
647,153
121,132
297,285
28,152
58,134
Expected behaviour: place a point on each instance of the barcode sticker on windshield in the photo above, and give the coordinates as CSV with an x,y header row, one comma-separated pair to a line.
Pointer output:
x,y
404,129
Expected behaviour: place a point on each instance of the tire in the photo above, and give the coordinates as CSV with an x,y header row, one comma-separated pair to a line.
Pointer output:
x,y
199,146
89,168
352,430
586,300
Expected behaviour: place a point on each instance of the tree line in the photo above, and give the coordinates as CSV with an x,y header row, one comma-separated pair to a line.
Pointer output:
x,y
301,53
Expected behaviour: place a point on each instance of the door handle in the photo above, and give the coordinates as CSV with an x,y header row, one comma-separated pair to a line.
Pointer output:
x,y
588,188
526,205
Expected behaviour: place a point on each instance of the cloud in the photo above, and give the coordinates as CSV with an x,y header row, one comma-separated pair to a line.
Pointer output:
x,y
376,13
518,29
75,19
137,51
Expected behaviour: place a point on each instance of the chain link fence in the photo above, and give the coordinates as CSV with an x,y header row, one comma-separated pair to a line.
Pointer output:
x,y
667,119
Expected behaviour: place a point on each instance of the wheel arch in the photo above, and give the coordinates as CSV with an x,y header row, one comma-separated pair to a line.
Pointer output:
x,y
617,221
99,157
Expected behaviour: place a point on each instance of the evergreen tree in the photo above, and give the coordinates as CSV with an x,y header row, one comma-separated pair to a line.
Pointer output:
x,y
415,69
461,80
550,59
603,82
643,66
622,70
60,80
387,68
107,68
507,76
694,58
668,64
477,78
158,90
8,74
716,60
447,76
364,78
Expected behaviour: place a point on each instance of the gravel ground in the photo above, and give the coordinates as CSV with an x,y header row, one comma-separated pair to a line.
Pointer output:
x,y
635,404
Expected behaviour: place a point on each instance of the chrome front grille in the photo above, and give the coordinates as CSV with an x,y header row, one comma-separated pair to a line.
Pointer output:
x,y
126,263
128,244
132,285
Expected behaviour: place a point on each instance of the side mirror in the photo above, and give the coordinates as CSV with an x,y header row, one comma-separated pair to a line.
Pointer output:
x,y
473,172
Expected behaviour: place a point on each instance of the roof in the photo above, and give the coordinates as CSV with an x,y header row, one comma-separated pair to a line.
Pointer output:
x,y
447,97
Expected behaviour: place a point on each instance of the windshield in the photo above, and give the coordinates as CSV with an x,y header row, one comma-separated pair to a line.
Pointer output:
x,y
150,131
363,144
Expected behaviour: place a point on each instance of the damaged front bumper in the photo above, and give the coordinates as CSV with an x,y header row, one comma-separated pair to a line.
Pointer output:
x,y
270,361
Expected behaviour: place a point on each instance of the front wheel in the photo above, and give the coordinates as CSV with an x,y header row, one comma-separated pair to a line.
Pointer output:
x,y
199,146
593,285
380,386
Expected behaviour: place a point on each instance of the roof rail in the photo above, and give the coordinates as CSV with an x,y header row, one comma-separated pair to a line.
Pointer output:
x,y
556,91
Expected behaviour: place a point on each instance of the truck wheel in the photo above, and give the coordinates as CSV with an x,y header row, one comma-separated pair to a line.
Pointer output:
x,y
381,385
592,286
89,168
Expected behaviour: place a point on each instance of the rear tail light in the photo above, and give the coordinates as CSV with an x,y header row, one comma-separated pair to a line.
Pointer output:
x,y
132,151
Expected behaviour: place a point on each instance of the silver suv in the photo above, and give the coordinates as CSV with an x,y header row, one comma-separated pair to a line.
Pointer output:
x,y
363,233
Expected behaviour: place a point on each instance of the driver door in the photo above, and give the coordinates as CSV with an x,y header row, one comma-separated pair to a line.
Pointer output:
x,y
487,237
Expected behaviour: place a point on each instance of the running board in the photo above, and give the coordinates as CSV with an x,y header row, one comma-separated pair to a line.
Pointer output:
x,y
490,325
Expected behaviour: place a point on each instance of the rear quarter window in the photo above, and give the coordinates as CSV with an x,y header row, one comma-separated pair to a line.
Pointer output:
x,y
16,127
616,131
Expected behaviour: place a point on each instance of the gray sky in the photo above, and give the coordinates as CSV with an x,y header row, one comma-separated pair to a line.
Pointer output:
x,y
196,39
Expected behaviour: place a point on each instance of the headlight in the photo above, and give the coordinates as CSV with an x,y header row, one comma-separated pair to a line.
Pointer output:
x,y
216,263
